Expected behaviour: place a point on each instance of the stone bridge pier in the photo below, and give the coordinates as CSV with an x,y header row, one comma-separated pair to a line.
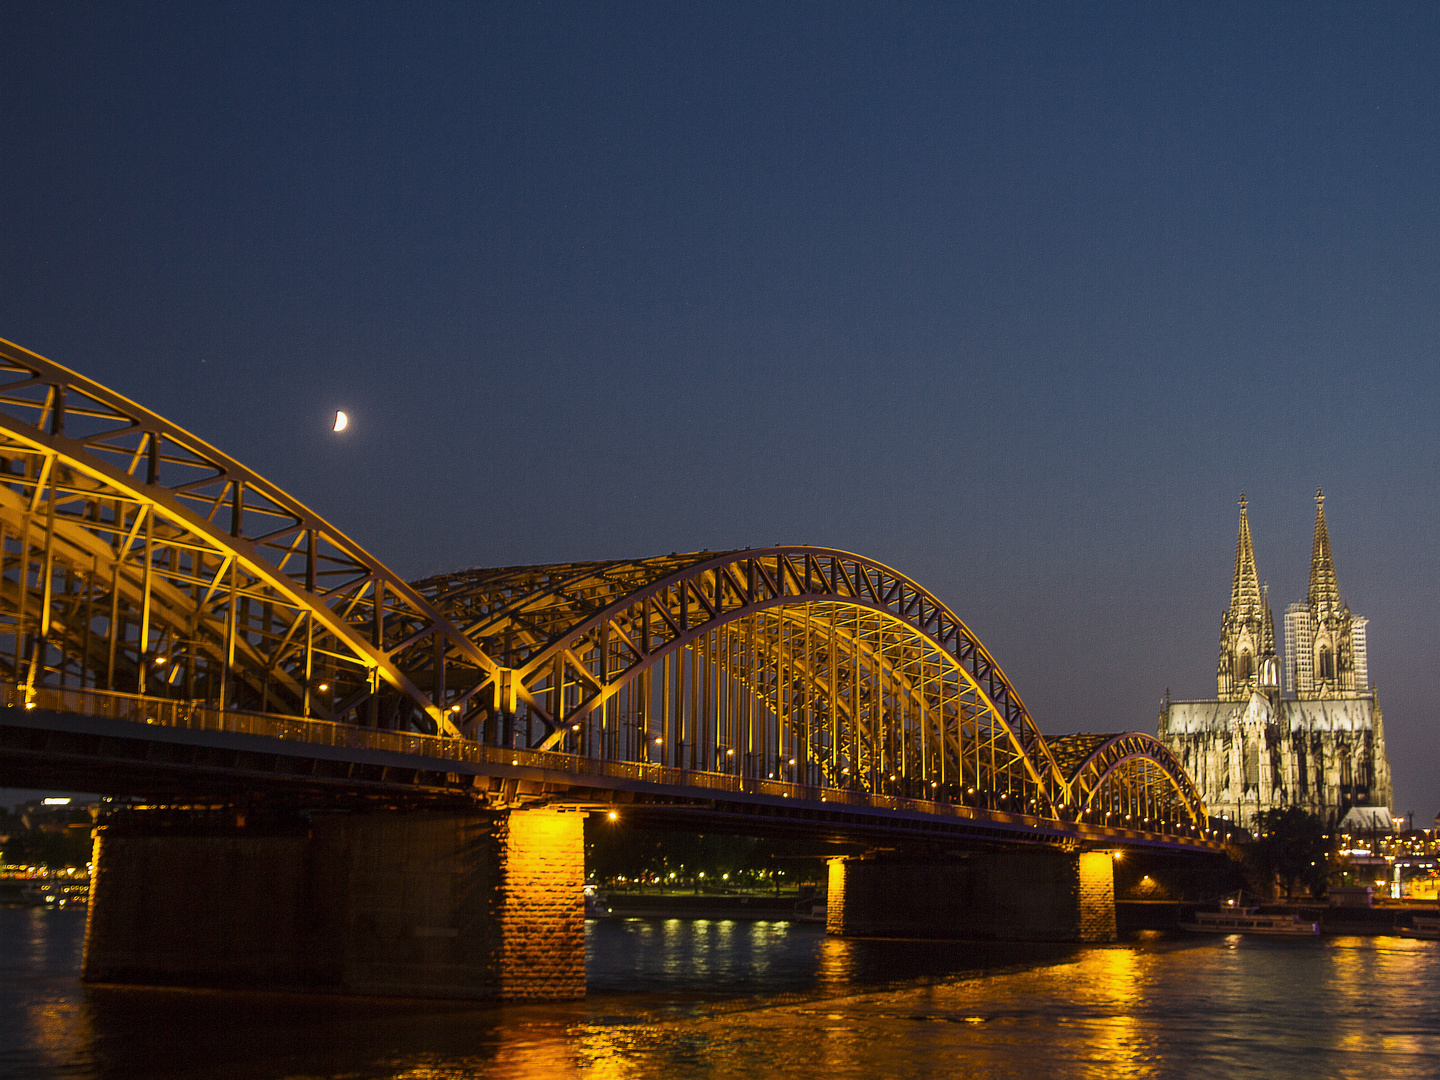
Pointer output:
x,y
1019,896
392,903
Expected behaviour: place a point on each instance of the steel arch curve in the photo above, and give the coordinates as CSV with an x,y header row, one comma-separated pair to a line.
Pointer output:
x,y
1098,762
136,557
579,636
195,561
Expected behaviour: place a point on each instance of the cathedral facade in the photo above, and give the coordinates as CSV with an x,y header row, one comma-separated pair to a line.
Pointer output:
x,y
1303,729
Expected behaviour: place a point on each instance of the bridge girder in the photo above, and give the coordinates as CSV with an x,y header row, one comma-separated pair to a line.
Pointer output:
x,y
1109,774
172,522
587,640
135,557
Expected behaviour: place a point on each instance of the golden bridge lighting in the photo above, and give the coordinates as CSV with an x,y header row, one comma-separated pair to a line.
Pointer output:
x,y
832,674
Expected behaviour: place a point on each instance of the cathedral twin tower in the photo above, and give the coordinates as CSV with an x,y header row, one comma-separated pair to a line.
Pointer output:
x,y
1324,644
1319,743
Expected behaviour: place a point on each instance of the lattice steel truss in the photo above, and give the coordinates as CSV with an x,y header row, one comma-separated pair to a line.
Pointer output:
x,y
135,557
803,664
1127,779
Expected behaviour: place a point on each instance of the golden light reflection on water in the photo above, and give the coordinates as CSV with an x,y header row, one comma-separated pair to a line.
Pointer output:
x,y
55,1025
1332,1007
552,1051
1203,1008
1118,1040
980,1025
57,1028
836,965
1372,1022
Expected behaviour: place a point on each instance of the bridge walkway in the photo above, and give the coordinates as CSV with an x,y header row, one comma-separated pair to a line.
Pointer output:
x,y
129,744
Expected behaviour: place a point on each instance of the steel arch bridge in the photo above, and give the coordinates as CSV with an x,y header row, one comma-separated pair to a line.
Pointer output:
x,y
137,559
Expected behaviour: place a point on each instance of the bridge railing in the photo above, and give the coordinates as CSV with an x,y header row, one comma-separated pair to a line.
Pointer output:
x,y
190,715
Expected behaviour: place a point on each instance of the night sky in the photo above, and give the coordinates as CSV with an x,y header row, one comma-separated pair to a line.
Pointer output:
x,y
1016,299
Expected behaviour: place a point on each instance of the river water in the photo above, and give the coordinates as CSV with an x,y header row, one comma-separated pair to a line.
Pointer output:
x,y
722,999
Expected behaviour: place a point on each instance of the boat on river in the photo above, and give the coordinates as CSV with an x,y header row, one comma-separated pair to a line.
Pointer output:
x,y
1426,927
1250,921
812,911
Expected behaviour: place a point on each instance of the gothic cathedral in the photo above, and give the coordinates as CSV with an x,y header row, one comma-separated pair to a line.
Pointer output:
x,y
1318,742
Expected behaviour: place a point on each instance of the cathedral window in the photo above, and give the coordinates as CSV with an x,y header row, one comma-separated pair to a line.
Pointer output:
x,y
1244,667
1327,664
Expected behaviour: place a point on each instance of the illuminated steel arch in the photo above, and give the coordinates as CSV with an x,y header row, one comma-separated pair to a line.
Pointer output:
x,y
799,663
138,558
1127,777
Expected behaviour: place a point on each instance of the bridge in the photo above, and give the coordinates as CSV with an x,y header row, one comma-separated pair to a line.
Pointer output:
x,y
176,629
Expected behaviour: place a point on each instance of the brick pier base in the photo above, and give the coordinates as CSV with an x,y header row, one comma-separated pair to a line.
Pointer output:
x,y
1024,896
397,903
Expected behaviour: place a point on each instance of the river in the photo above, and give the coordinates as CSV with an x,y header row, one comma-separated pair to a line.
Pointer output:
x,y
723,999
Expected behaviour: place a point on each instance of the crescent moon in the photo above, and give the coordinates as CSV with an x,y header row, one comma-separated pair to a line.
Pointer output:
x,y
341,421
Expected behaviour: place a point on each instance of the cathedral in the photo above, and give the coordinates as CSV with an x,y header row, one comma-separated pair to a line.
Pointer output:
x,y
1318,740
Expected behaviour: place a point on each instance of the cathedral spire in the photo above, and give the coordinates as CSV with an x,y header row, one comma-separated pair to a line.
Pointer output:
x,y
1247,632
1245,592
1324,590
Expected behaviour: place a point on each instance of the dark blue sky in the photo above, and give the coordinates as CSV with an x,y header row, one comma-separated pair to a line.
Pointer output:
x,y
1014,298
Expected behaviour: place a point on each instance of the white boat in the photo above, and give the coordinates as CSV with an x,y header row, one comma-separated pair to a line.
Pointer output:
x,y
597,904
1422,926
809,911
1250,921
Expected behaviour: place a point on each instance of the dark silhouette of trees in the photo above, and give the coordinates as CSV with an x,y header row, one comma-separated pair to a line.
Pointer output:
x,y
1290,846
54,849
615,849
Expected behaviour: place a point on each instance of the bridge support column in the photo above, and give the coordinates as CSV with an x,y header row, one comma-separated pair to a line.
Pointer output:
x,y
1024,896
411,904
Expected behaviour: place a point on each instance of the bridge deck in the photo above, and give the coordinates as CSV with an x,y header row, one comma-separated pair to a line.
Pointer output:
x,y
127,744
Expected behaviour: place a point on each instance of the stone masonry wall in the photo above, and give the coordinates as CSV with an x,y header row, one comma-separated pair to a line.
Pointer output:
x,y
835,898
1097,896
542,911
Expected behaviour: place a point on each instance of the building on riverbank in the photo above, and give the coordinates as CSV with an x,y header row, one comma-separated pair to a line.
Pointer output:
x,y
1318,741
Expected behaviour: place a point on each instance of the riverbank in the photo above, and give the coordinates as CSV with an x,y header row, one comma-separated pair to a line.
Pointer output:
x,y
789,906
1131,916
1135,915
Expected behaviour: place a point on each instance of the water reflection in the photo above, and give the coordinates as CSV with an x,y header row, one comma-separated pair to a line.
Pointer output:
x,y
715,998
